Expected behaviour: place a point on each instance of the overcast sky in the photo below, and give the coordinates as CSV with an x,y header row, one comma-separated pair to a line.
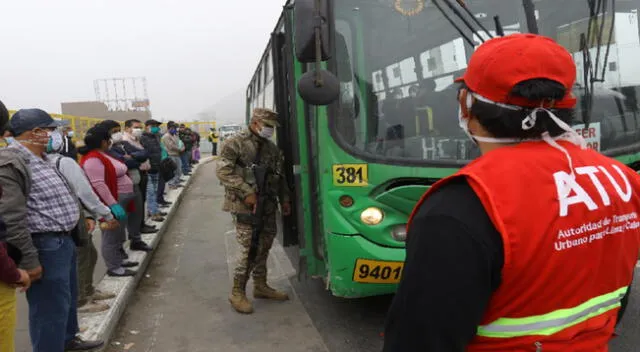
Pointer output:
x,y
192,52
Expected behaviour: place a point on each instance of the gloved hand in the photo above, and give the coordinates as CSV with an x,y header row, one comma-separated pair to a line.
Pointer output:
x,y
118,212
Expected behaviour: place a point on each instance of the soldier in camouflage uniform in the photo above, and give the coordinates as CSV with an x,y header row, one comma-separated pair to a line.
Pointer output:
x,y
235,174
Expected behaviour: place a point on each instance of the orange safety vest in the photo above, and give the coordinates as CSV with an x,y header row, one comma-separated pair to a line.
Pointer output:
x,y
570,246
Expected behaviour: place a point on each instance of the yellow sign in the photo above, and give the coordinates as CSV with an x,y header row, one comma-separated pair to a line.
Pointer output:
x,y
351,175
377,272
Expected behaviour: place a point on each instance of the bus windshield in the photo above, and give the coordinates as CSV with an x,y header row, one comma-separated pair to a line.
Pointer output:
x,y
397,60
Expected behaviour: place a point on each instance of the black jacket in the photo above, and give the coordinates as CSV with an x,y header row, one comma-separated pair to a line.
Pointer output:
x,y
120,149
69,149
151,144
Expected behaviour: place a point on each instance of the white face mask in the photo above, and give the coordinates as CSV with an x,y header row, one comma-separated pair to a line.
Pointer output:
x,y
266,132
528,123
136,132
464,124
55,142
70,134
116,137
9,140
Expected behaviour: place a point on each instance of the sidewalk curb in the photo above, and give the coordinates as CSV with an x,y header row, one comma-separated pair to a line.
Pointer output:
x,y
101,326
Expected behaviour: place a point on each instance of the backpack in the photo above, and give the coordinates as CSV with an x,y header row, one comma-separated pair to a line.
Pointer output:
x,y
167,169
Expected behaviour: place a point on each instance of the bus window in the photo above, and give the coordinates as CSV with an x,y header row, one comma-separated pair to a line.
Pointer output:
x,y
348,103
404,63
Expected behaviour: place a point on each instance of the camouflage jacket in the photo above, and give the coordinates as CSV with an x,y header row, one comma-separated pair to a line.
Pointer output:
x,y
236,156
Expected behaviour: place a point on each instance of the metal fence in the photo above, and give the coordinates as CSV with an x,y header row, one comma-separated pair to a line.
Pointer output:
x,y
80,125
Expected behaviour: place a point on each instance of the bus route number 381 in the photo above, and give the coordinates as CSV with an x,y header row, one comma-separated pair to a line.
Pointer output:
x,y
377,272
350,175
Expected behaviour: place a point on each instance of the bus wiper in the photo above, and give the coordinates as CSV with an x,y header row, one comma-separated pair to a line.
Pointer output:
x,y
462,33
499,29
475,19
468,24
591,74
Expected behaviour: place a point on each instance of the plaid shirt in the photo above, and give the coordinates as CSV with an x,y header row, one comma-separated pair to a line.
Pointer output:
x,y
51,206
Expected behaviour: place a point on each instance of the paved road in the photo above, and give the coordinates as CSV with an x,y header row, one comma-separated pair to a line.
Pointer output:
x,y
182,306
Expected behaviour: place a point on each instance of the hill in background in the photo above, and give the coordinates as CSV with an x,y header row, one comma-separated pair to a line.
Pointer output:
x,y
228,110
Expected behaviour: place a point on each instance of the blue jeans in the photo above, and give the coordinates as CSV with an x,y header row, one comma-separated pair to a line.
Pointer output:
x,y
161,186
185,159
53,315
152,193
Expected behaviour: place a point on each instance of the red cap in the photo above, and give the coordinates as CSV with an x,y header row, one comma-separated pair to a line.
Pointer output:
x,y
501,63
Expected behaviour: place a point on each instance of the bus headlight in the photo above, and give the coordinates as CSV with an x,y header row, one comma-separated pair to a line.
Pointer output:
x,y
399,232
371,216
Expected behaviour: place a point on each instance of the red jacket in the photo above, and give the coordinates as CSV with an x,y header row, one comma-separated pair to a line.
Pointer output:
x,y
570,247
110,177
8,271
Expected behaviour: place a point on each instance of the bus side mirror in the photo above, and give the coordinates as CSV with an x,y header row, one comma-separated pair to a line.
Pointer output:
x,y
312,27
311,15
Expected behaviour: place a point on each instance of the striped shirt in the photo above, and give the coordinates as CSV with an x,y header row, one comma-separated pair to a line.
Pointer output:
x,y
51,205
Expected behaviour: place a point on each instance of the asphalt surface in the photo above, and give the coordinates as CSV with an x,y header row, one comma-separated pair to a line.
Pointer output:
x,y
182,304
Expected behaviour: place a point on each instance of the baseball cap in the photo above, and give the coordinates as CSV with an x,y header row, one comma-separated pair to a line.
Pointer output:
x,y
152,122
27,119
501,63
267,116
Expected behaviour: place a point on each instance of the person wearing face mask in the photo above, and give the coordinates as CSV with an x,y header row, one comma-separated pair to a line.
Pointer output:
x,y
10,275
150,140
69,148
234,171
93,208
174,148
124,152
127,149
516,251
213,138
40,212
110,181
7,137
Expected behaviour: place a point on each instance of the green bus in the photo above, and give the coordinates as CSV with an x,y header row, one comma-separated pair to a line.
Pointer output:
x,y
363,145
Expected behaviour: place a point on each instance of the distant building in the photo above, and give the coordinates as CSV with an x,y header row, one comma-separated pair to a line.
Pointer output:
x,y
100,110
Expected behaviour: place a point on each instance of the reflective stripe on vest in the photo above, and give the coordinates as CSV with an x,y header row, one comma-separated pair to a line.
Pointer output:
x,y
551,323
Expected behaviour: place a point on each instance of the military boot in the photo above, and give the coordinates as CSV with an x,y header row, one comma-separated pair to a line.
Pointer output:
x,y
262,290
238,298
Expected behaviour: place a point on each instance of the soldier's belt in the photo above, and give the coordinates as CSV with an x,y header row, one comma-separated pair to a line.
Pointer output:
x,y
248,219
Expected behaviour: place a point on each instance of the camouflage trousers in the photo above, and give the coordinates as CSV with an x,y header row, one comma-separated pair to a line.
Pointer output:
x,y
243,234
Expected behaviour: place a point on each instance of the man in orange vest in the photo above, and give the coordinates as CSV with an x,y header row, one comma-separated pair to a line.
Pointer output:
x,y
532,246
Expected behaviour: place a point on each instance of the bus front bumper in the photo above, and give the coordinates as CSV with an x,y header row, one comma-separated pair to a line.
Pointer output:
x,y
360,268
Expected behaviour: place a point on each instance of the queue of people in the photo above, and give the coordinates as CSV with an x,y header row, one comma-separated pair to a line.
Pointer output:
x,y
53,196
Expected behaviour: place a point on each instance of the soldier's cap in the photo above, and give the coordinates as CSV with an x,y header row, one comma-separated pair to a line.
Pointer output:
x,y
266,116
152,122
27,119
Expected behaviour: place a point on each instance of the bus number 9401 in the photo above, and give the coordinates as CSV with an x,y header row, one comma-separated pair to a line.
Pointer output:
x,y
377,272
